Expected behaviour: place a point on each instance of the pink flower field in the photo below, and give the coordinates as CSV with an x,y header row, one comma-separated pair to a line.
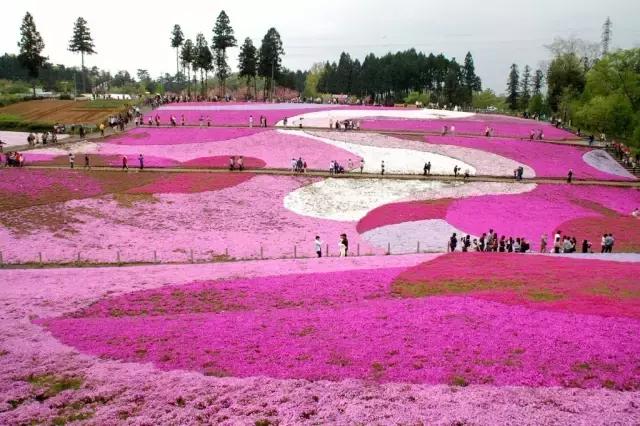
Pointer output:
x,y
179,296
324,341
504,127
548,160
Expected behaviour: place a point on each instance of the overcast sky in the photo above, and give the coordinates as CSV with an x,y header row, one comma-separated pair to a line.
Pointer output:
x,y
136,34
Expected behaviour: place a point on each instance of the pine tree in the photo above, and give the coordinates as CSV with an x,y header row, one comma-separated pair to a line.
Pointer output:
x,y
82,42
606,36
248,62
538,81
512,88
203,60
187,57
525,88
177,39
269,61
31,46
472,82
223,39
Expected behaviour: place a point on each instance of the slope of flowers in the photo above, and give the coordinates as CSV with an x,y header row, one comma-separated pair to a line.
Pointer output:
x,y
172,221
601,160
178,135
548,160
34,183
273,148
352,199
513,128
311,326
484,163
544,210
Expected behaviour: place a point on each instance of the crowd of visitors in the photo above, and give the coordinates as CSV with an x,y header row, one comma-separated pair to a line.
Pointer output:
x,y
299,165
12,159
236,163
344,125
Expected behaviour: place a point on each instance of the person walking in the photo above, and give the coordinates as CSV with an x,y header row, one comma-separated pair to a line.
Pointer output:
x,y
453,242
382,168
141,161
72,159
342,247
361,165
543,243
427,168
570,176
125,166
241,163
317,245
87,164
250,121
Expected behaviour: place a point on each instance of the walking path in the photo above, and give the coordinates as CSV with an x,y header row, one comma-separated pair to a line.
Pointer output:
x,y
355,175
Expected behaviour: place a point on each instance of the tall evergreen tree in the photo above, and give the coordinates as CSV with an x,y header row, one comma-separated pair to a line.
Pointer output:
x,y
203,59
269,57
345,69
223,39
82,42
538,82
606,36
248,63
513,84
177,39
187,57
31,46
525,88
472,82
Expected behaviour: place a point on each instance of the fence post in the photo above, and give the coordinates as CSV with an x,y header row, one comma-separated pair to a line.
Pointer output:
x,y
418,250
155,257
295,251
191,255
358,249
78,257
118,257
326,253
40,257
261,252
1,260
388,248
226,252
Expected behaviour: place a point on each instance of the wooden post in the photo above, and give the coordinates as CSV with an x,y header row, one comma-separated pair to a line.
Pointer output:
x,y
295,251
261,252
118,257
226,252
155,257
326,253
418,249
78,257
40,257
191,255
358,250
388,248
1,260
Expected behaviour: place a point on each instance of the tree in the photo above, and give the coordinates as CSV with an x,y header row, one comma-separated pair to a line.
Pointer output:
x,y
311,82
187,55
82,42
203,59
248,63
538,82
31,46
513,84
586,51
472,82
525,88
566,74
223,39
343,76
269,57
606,36
177,39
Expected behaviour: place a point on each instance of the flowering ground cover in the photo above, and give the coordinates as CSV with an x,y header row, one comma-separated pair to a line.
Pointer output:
x,y
274,148
179,135
410,155
510,128
548,160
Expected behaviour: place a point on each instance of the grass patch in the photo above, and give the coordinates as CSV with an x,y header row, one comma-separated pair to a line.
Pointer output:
x,y
543,295
51,385
459,381
408,289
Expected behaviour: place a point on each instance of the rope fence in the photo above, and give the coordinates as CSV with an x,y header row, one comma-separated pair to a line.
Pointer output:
x,y
117,257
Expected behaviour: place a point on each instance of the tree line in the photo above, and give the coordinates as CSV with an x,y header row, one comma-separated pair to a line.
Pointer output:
x,y
589,85
394,76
